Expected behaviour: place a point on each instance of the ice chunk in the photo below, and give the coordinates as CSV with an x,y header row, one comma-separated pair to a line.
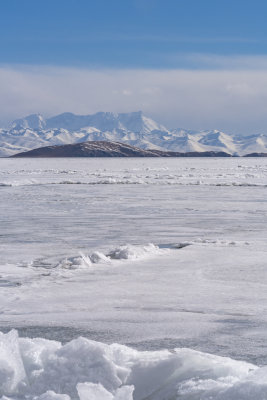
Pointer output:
x,y
12,372
97,258
93,391
132,252
80,360
124,393
50,395
76,262
35,353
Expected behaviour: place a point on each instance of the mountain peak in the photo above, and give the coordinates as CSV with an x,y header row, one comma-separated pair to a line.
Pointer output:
x,y
104,121
32,121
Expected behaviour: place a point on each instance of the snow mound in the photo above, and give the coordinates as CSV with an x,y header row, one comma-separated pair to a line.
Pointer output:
x,y
132,252
126,252
40,369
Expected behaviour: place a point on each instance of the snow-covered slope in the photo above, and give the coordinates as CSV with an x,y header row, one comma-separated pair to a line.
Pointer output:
x,y
133,129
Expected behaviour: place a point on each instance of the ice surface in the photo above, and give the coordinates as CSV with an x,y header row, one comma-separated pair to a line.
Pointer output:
x,y
235,172
153,254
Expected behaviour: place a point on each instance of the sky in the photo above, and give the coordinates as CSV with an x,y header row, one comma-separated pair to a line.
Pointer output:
x,y
196,64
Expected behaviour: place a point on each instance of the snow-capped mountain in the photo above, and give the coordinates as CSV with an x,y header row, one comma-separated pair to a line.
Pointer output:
x,y
134,122
133,129
34,121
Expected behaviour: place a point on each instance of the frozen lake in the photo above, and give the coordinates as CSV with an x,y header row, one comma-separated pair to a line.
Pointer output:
x,y
150,253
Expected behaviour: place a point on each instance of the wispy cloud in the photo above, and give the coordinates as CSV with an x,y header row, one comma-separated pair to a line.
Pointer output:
x,y
232,100
218,61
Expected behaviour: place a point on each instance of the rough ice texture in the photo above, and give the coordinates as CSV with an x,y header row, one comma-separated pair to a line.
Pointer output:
x,y
88,370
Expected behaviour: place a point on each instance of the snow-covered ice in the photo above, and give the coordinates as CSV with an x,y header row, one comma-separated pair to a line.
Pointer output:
x,y
165,256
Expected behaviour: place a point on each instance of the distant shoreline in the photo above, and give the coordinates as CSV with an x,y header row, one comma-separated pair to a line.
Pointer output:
x,y
109,149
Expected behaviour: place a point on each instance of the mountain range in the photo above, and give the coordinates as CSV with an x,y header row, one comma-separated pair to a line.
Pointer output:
x,y
134,129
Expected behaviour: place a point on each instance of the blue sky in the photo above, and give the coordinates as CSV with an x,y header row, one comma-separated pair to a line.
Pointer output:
x,y
186,63
130,33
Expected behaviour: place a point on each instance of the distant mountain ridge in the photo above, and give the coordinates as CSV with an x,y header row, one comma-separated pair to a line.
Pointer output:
x,y
103,121
133,128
